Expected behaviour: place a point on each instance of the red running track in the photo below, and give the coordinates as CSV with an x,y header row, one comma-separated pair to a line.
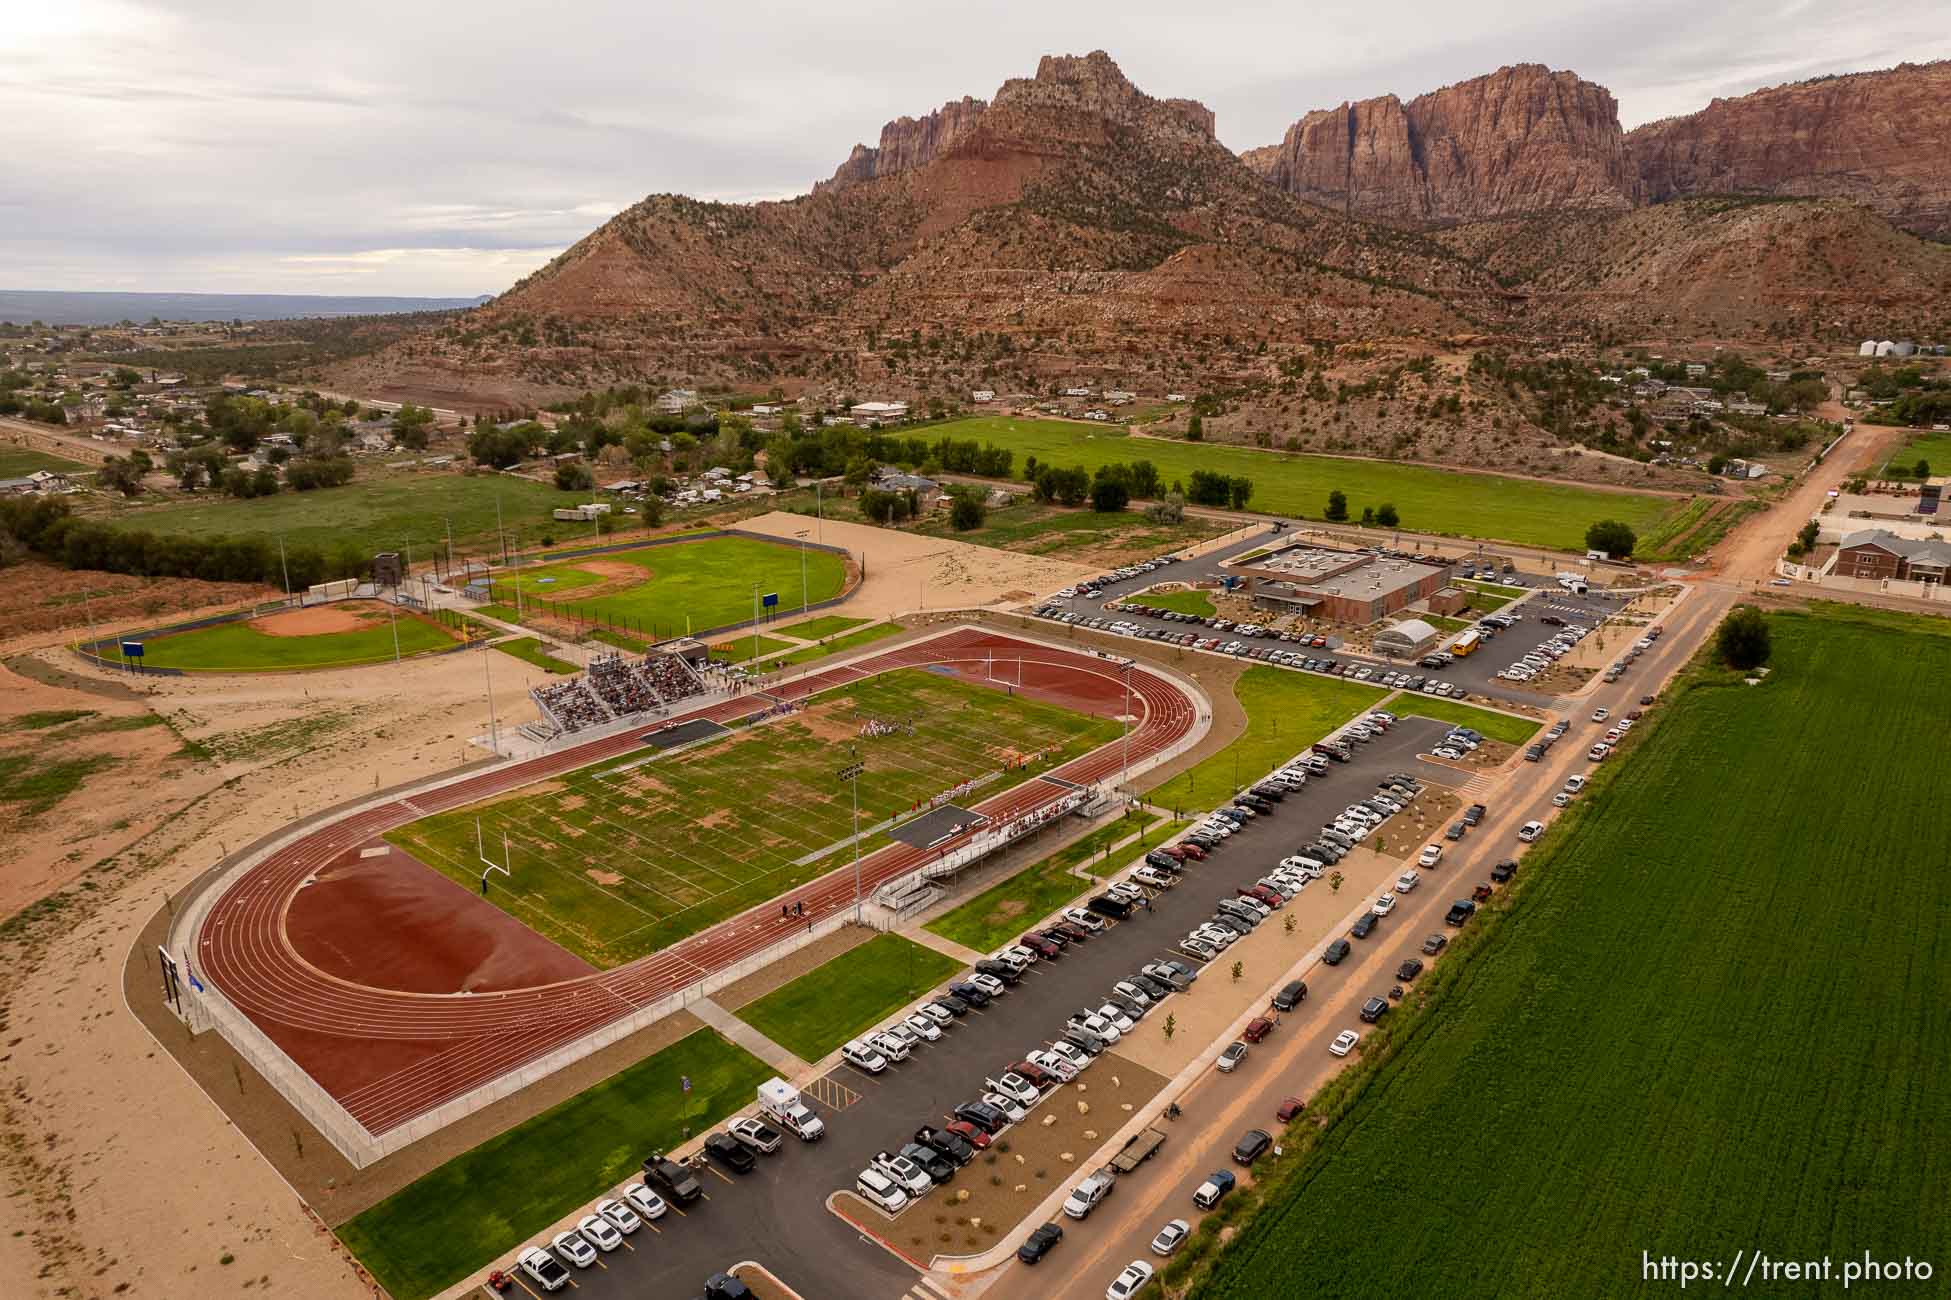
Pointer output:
x,y
388,1056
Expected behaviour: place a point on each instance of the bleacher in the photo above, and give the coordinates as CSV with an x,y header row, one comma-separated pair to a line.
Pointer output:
x,y
615,688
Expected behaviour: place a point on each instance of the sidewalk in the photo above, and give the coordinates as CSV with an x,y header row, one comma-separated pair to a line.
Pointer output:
x,y
788,1065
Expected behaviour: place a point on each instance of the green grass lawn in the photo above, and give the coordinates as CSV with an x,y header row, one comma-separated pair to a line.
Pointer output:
x,y
627,856
619,641
19,462
31,785
1926,445
1430,500
1710,1019
999,913
813,629
1496,726
530,651
838,645
739,648
241,648
1286,712
483,1204
694,586
1444,624
837,1000
382,510
1196,603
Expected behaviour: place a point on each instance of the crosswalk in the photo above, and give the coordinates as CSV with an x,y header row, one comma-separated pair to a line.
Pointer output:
x,y
929,1289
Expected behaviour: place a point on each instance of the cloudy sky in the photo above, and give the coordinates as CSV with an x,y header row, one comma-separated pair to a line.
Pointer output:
x,y
447,149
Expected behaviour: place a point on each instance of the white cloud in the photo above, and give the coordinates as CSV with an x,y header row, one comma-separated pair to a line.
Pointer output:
x,y
206,144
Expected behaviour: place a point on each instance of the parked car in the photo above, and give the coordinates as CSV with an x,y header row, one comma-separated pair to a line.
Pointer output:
x,y
757,1134
1434,944
1460,911
1251,1146
1374,1009
1257,1028
572,1247
1214,1189
1344,1042
730,1152
672,1180
1171,1237
1364,925
1291,995
647,1204
1130,1282
1335,953
1040,1243
1085,1196
880,1190
1530,831
1503,871
1410,969
862,1057
543,1269
1229,1060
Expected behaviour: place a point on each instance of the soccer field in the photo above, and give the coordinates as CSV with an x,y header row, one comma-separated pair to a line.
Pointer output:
x,y
628,856
688,587
1295,484
1710,1019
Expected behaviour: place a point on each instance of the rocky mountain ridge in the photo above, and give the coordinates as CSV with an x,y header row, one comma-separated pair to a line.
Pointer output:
x,y
1525,139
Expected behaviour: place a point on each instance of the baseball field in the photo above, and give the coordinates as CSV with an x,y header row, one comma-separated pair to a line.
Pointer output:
x,y
690,586
343,634
628,856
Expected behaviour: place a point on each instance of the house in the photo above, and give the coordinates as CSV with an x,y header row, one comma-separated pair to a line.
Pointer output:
x,y
43,482
872,414
677,401
1077,392
1742,406
1877,554
1695,370
983,395
1118,396
766,408
1175,397
894,480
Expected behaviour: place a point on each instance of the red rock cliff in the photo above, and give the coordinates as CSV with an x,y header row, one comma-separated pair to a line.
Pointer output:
x,y
908,143
1523,139
1882,139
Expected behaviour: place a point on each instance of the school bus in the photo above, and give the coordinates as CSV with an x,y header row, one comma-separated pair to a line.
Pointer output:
x,y
1466,644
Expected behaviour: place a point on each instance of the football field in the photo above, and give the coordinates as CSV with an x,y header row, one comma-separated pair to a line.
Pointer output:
x,y
628,856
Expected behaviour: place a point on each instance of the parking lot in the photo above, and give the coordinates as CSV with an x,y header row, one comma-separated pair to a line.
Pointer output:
x,y
776,1215
1475,674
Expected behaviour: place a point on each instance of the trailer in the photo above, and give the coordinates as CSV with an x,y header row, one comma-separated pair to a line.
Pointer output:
x,y
1138,1150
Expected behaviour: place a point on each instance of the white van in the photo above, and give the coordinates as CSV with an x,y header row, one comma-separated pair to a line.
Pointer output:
x,y
881,1191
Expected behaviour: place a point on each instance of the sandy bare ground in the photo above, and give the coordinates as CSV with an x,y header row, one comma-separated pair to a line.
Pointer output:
x,y
906,572
91,1107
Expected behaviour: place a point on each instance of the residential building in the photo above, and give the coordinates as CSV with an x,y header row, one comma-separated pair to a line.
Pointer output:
x,y
1875,553
872,414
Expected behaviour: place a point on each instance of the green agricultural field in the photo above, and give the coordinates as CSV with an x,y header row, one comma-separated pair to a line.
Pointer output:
x,y
485,1203
1709,1019
1032,528
1296,485
380,511
839,999
19,462
1196,603
1510,729
670,590
628,856
241,648
1286,712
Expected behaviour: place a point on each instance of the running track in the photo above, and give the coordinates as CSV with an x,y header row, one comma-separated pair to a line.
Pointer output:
x,y
389,1056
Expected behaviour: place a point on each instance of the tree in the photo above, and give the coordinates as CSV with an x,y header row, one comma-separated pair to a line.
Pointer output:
x,y
1743,641
1808,535
1288,924
413,426
1171,1026
1334,882
499,448
1195,430
1337,507
574,476
1923,469
1616,539
1368,516
1716,464
1109,496
1386,516
1238,492
1172,510
1239,969
123,474
966,513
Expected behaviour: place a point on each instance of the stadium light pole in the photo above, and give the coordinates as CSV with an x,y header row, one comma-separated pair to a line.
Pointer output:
x,y
804,597
284,566
494,734
851,773
1124,777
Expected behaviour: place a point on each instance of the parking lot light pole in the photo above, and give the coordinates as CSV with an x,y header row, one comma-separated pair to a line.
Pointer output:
x,y
851,773
1124,777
